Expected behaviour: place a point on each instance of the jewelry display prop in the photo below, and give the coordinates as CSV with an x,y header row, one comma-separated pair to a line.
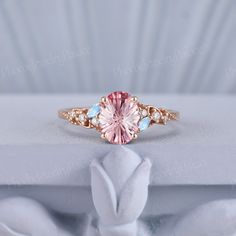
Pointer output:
x,y
120,190
119,186
26,217
216,218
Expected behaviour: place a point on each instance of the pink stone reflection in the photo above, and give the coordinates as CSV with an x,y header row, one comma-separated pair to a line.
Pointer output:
x,y
119,118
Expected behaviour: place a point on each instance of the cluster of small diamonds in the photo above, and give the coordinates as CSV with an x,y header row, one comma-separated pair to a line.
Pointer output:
x,y
84,117
148,117
77,117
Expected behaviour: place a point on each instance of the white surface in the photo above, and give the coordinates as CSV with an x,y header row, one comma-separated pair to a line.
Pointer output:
x,y
38,148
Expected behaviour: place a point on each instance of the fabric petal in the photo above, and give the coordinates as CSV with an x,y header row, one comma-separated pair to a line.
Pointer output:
x,y
134,195
104,195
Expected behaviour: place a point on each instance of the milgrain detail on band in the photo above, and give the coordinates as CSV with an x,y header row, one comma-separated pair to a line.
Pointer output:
x,y
7,231
76,116
119,117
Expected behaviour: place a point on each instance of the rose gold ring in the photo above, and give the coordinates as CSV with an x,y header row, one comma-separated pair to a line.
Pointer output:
x,y
119,117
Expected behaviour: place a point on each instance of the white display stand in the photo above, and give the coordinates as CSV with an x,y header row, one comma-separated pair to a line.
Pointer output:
x,y
68,181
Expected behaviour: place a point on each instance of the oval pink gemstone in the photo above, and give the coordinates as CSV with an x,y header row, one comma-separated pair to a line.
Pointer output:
x,y
119,118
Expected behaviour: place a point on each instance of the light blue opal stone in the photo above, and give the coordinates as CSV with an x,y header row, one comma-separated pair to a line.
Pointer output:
x,y
144,123
93,111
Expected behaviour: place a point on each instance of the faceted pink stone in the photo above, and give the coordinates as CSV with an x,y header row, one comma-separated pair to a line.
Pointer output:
x,y
119,118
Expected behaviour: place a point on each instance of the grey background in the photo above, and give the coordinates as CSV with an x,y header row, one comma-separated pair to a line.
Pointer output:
x,y
164,46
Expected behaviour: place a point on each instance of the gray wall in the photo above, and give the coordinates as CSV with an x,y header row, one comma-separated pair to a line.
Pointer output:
x,y
168,46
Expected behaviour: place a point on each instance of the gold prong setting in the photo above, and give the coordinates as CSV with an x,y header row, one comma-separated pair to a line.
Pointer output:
x,y
134,99
103,99
103,136
95,121
143,113
76,117
135,136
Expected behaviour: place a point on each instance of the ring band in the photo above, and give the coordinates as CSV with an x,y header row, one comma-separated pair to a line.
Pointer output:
x,y
119,117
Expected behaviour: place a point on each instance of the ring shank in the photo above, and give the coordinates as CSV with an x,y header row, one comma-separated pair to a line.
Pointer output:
x,y
65,113
174,115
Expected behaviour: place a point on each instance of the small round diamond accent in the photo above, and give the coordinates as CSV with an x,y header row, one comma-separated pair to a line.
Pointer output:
x,y
95,121
156,116
144,113
82,117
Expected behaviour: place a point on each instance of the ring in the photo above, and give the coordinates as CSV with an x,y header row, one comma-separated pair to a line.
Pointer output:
x,y
119,117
